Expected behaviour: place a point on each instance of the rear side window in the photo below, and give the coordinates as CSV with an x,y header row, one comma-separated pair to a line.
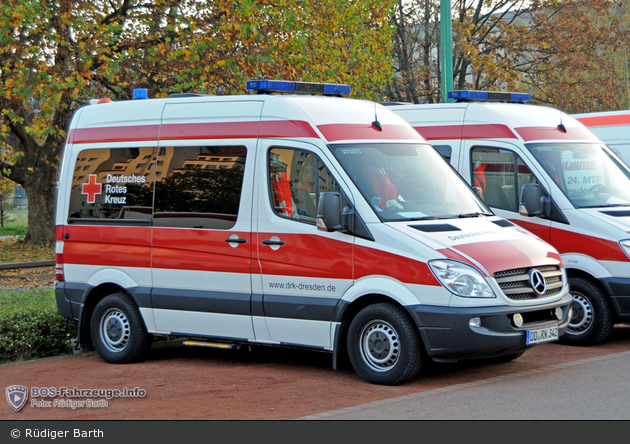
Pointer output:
x,y
198,187
296,180
500,174
112,184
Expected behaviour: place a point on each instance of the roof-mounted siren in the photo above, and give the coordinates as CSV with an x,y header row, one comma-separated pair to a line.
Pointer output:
x,y
272,86
488,96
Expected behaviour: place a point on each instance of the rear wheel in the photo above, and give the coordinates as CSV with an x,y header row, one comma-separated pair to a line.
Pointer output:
x,y
118,332
384,345
591,320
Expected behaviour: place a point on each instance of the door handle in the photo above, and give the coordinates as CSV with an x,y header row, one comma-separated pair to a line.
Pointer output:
x,y
236,240
272,242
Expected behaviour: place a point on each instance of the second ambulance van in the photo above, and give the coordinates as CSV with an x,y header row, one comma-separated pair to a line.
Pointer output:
x,y
546,172
612,127
292,220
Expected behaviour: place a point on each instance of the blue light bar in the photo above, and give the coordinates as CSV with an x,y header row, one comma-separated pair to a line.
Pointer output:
x,y
140,93
269,86
489,96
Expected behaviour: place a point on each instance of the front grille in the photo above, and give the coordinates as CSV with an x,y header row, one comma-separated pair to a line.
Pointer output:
x,y
517,284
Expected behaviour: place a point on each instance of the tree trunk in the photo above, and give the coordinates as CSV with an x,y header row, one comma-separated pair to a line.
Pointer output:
x,y
41,191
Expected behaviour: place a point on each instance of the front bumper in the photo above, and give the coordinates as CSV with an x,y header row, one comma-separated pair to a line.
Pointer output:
x,y
448,336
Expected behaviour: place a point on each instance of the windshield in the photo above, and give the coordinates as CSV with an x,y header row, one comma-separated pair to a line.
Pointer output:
x,y
408,182
587,174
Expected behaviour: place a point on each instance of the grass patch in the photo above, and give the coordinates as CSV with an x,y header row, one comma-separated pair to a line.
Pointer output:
x,y
13,231
31,327
15,221
16,250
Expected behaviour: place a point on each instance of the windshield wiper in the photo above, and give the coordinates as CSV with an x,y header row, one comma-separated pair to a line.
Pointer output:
x,y
473,215
421,218
608,205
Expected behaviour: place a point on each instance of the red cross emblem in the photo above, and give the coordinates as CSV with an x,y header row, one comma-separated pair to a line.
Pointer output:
x,y
91,188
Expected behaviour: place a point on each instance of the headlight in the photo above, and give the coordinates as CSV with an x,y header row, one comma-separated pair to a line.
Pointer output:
x,y
625,246
461,279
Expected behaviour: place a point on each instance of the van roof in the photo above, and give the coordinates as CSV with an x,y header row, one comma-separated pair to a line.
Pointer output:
x,y
477,120
333,119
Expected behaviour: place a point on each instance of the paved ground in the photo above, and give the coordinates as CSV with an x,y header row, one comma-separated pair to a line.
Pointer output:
x,y
589,389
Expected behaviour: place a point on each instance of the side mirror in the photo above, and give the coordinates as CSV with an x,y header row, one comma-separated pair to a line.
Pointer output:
x,y
329,216
531,202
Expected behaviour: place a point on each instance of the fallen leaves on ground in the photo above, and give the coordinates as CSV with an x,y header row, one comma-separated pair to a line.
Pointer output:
x,y
16,250
27,278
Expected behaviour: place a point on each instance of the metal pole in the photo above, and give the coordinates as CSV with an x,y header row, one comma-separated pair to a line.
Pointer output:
x,y
446,48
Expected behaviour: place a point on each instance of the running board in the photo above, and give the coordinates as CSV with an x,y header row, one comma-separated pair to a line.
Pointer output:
x,y
211,344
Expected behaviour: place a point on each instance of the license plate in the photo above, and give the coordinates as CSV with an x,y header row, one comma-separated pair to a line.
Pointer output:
x,y
542,335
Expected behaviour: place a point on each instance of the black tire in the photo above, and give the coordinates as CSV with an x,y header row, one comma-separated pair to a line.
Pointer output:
x,y
384,345
118,332
591,322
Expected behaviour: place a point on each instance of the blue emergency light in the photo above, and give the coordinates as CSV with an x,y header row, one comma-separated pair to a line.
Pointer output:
x,y
140,93
489,96
270,86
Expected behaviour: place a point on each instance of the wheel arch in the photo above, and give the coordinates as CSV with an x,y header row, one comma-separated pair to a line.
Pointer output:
x,y
94,296
344,314
576,273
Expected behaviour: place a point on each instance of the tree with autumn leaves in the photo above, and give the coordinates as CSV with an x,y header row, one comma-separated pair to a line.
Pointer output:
x,y
56,55
571,54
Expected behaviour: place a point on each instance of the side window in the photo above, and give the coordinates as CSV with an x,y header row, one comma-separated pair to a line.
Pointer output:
x,y
500,174
296,180
198,187
112,184
445,151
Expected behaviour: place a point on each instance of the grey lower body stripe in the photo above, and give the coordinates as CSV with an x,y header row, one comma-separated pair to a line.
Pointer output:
x,y
289,307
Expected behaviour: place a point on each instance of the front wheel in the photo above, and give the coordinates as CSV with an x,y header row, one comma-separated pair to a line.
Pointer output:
x,y
118,332
384,345
591,320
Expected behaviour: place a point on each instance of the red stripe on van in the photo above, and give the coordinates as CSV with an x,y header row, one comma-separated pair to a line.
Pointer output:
x,y
134,133
200,250
621,119
286,128
206,250
109,246
238,130
223,130
531,133
569,242
347,131
370,261
455,256
515,253
306,255
188,131
446,132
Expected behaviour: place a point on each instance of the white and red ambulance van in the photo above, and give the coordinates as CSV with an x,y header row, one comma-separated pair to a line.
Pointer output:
x,y
612,127
576,191
292,220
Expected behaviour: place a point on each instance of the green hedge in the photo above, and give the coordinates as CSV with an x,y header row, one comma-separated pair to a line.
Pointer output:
x,y
31,328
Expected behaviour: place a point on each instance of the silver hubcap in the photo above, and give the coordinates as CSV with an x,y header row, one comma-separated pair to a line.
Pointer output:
x,y
380,347
115,330
582,317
